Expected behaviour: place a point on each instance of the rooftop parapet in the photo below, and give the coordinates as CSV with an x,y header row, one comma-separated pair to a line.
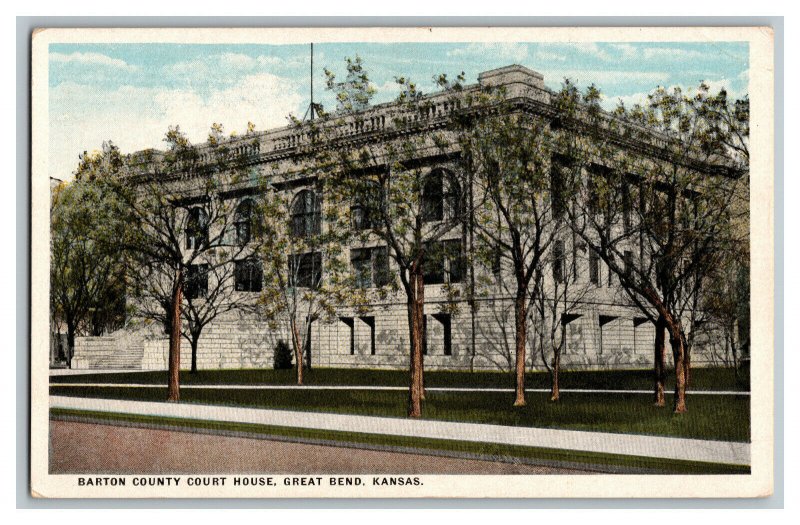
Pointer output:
x,y
517,82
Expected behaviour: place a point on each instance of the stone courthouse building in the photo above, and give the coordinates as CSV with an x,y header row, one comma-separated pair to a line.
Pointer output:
x,y
603,330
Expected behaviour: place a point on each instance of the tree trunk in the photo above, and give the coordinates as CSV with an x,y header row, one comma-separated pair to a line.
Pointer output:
x,y
687,359
555,392
307,344
298,351
520,342
194,342
735,357
659,366
677,342
173,390
416,306
70,344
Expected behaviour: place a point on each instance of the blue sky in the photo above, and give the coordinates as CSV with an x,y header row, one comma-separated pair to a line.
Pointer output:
x,y
131,93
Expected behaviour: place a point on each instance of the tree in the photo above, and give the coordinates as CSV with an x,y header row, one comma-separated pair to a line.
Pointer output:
x,y
228,285
656,214
397,203
179,232
305,276
86,270
356,91
508,153
558,291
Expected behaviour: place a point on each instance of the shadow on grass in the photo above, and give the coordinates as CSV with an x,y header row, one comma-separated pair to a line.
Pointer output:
x,y
701,379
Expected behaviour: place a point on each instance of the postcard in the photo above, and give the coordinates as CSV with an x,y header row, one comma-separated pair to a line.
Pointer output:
x,y
402,262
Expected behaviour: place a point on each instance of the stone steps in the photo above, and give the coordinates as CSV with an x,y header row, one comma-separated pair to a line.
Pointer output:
x,y
124,358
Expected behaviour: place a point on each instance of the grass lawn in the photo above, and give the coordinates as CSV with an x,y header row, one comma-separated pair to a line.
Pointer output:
x,y
701,378
710,416
565,457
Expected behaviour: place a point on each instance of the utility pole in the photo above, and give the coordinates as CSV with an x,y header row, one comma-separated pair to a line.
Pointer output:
x,y
312,108
312,80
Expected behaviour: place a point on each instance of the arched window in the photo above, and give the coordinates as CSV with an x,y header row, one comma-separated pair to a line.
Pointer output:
x,y
441,196
306,214
244,221
196,228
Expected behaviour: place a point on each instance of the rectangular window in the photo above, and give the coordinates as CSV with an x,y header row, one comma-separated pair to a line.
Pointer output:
x,y
597,185
370,266
380,266
438,337
433,264
626,205
628,263
360,217
365,209
574,262
594,267
305,270
558,174
369,322
497,261
248,275
444,263
447,336
455,261
197,281
433,197
350,333
361,261
558,261
196,228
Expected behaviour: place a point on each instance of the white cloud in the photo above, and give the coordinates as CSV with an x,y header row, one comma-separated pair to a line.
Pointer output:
x,y
222,65
135,118
603,77
625,50
550,56
610,103
388,91
514,51
571,48
591,48
95,59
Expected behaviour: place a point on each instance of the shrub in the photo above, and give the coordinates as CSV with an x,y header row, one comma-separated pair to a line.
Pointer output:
x,y
282,356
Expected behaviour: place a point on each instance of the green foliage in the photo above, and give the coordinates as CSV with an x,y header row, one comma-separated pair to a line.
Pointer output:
x,y
100,164
87,273
282,356
356,91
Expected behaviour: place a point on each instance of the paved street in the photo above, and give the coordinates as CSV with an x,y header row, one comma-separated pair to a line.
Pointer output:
x,y
104,449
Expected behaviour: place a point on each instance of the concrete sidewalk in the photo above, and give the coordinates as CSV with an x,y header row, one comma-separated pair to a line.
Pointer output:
x,y
90,371
600,442
391,388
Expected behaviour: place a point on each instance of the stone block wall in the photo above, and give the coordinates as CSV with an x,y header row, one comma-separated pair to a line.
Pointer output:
x,y
599,336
